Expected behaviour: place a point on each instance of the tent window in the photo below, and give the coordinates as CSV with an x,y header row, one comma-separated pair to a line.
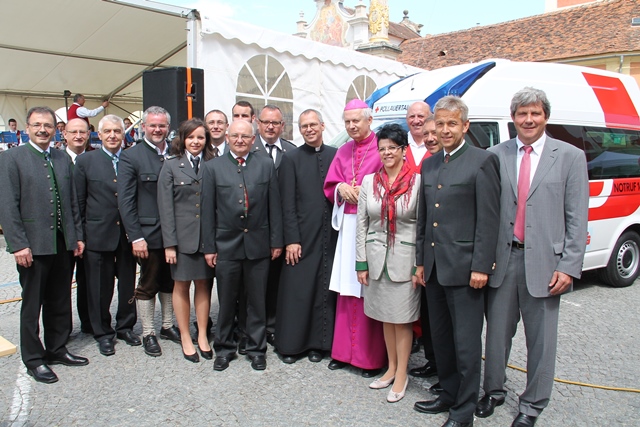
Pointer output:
x,y
361,88
263,80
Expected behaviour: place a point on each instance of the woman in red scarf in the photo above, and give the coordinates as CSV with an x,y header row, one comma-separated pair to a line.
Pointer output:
x,y
385,253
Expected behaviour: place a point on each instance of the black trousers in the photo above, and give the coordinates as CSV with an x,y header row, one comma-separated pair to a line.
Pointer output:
x,y
46,286
426,330
102,270
275,268
456,314
155,276
82,300
231,276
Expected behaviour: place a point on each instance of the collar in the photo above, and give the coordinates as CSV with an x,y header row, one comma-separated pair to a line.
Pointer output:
x,y
413,143
457,152
156,149
277,143
537,146
37,147
245,157
109,153
191,156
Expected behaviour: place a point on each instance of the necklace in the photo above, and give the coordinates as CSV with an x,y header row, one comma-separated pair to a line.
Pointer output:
x,y
353,161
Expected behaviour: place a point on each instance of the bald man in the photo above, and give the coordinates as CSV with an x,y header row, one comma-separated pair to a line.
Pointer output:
x,y
417,116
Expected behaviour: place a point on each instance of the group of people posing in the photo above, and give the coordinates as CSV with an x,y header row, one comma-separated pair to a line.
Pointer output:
x,y
314,249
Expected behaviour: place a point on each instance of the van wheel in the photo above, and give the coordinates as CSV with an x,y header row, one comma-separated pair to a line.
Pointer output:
x,y
624,264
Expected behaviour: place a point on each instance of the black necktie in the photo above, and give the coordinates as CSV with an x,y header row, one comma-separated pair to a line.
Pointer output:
x,y
271,147
196,164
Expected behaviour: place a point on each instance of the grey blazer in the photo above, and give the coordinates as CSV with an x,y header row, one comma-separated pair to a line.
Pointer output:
x,y
27,208
258,148
138,173
179,200
556,214
372,246
227,229
97,188
458,216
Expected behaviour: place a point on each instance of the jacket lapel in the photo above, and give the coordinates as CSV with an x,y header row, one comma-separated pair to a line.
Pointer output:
x,y
185,167
511,160
547,159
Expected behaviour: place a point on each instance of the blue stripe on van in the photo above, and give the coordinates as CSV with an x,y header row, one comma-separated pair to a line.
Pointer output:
x,y
460,84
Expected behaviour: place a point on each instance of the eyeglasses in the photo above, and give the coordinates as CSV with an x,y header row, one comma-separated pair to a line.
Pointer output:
x,y
244,138
267,123
47,126
392,149
161,127
77,132
309,126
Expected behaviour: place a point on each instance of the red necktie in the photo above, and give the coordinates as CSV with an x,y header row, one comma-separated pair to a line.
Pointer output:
x,y
524,179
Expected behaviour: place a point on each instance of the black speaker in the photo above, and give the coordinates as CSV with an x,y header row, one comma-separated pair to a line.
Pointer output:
x,y
177,90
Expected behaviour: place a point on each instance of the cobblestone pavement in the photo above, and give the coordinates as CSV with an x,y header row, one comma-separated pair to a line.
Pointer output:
x,y
599,343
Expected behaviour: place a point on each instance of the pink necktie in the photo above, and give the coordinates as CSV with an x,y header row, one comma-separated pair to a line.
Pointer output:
x,y
524,179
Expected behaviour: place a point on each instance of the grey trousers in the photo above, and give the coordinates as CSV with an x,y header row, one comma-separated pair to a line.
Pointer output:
x,y
505,304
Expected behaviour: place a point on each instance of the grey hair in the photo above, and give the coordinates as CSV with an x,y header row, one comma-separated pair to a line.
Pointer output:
x,y
453,103
309,111
528,96
430,118
77,97
112,118
155,110
366,113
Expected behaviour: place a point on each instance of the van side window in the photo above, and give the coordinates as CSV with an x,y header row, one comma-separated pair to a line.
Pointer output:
x,y
611,153
483,134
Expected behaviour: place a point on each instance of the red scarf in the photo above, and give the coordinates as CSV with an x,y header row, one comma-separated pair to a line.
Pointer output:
x,y
401,186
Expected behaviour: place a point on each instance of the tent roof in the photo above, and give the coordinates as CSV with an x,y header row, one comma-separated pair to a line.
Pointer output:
x,y
94,47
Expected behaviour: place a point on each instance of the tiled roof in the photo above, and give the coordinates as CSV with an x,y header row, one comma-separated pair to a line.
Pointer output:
x,y
592,29
402,31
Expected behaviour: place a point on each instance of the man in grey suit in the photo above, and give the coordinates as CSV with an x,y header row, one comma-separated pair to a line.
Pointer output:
x,y
269,142
541,246
242,232
41,224
138,172
455,254
108,254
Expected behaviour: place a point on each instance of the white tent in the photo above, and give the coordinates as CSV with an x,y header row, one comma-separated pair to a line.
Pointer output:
x,y
93,47
101,48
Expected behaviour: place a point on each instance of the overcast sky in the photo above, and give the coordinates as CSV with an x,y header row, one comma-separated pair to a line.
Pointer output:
x,y
437,16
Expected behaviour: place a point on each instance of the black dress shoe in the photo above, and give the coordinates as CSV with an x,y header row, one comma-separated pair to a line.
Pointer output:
x,y
106,347
523,420
43,374
370,373
242,345
428,370
151,346
67,359
191,357
289,359
221,363
259,363
129,337
436,388
336,364
206,354
431,406
171,334
486,405
271,338
315,356
453,423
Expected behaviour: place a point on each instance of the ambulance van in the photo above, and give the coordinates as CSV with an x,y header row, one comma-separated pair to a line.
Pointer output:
x,y
595,110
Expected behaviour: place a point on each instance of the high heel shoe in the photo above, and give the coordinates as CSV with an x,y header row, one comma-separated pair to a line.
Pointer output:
x,y
393,397
206,354
378,383
191,357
